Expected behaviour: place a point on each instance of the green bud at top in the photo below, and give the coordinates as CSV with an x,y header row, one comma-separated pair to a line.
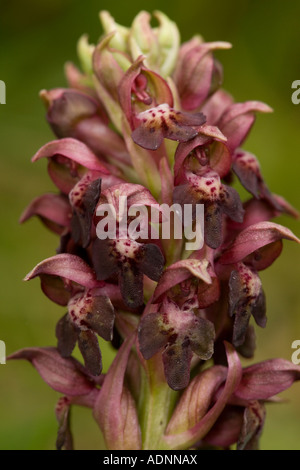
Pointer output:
x,y
120,38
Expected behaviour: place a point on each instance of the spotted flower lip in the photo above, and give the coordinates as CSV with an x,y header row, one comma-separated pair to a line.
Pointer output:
x,y
246,298
164,122
130,260
87,315
218,199
179,332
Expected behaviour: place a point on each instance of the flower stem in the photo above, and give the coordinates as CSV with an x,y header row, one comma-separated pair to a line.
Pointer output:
x,y
157,402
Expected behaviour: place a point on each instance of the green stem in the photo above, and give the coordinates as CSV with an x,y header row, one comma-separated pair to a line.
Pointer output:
x,y
157,402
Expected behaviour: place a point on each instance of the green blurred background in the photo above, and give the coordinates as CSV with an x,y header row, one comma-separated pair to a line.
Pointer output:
x,y
36,39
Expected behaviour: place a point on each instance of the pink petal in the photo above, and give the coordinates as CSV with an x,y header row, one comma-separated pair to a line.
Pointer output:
x,y
226,430
179,272
188,438
216,105
265,379
65,375
115,410
74,150
253,238
156,85
194,77
53,209
196,399
238,119
67,266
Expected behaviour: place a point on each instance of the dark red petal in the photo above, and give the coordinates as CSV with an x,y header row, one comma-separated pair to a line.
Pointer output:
x,y
103,260
131,286
68,109
246,298
101,317
226,429
202,337
151,261
207,294
54,288
197,89
67,335
252,427
259,310
64,436
213,225
247,349
125,88
148,137
246,167
265,256
177,359
89,348
231,204
84,198
151,336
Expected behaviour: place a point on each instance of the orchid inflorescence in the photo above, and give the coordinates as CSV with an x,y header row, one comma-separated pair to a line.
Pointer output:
x,y
146,119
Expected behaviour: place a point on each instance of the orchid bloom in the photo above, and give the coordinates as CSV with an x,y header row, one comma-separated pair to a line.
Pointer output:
x,y
146,121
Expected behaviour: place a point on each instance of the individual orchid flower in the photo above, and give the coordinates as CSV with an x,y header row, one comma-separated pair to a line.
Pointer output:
x,y
164,122
206,151
124,255
242,420
197,73
205,187
68,160
142,89
72,113
180,332
190,278
254,248
68,280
